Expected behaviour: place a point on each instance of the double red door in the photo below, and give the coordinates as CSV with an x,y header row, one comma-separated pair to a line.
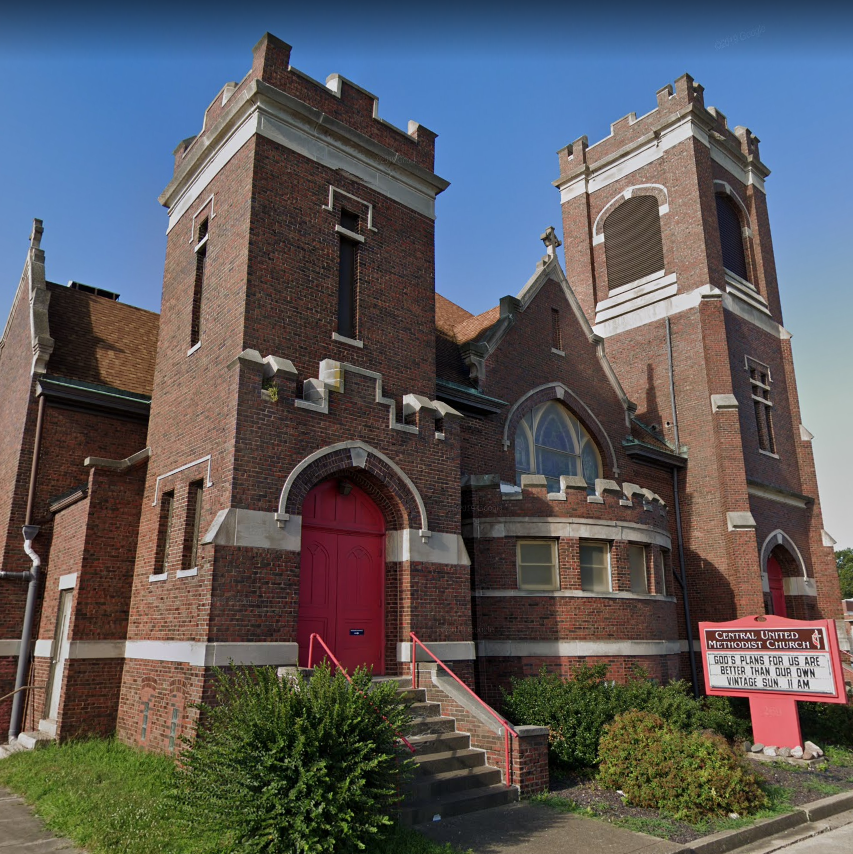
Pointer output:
x,y
342,572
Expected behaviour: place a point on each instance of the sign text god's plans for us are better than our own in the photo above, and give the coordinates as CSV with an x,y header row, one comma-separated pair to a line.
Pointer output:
x,y
795,660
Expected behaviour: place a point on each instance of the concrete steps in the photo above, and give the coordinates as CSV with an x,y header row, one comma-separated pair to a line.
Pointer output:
x,y
25,741
451,777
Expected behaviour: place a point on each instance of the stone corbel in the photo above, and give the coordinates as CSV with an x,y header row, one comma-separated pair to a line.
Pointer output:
x,y
474,355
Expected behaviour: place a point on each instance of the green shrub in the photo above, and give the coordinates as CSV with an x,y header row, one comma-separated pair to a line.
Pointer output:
x,y
690,775
828,723
578,709
302,766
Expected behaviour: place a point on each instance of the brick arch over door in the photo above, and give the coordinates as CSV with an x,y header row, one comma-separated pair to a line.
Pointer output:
x,y
558,391
379,476
780,538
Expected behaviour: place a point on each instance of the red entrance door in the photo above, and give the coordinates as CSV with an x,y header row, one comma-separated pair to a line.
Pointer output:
x,y
777,589
342,576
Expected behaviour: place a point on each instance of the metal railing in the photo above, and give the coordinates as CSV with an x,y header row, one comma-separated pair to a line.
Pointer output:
x,y
508,728
24,688
331,657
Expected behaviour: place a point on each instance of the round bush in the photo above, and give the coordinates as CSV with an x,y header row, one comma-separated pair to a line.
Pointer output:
x,y
690,775
295,766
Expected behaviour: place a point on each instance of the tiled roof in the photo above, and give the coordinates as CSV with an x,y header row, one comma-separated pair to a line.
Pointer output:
x,y
474,327
448,315
99,340
455,326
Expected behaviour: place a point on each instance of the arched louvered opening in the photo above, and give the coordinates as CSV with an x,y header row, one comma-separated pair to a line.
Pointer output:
x,y
731,236
633,247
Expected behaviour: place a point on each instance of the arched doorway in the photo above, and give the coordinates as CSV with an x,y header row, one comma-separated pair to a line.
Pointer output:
x,y
777,589
342,575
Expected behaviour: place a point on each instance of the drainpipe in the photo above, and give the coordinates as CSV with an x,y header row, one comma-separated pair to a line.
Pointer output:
x,y
682,576
33,577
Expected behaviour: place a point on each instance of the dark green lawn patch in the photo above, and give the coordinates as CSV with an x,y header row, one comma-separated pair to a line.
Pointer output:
x,y
113,799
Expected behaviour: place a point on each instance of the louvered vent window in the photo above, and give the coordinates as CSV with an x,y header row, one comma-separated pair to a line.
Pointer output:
x,y
731,236
633,247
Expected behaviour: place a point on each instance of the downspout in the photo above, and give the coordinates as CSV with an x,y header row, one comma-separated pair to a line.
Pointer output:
x,y
682,577
33,577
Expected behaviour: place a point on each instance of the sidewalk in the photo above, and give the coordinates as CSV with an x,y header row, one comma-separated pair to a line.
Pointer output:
x,y
21,831
525,828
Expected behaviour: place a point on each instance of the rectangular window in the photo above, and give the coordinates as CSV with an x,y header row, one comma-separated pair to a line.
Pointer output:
x,y
164,534
637,562
173,729
348,276
537,565
759,380
556,332
662,564
194,507
595,567
145,707
198,288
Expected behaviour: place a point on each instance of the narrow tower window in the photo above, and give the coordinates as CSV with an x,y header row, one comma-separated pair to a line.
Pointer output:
x,y
194,506
164,534
556,332
731,237
759,380
347,275
198,289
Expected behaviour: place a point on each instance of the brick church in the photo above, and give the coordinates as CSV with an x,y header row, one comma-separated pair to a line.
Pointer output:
x,y
308,438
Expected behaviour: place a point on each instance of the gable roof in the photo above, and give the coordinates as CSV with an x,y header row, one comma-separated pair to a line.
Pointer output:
x,y
102,341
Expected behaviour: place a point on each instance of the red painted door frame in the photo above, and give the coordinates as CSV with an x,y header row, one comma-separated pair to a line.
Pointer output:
x,y
342,575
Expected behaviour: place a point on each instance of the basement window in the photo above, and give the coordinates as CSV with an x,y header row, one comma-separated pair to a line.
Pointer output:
x,y
537,565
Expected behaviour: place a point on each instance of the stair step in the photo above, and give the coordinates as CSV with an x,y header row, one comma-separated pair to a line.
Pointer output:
x,y
431,726
9,749
32,740
458,803
425,787
413,695
425,710
449,760
440,742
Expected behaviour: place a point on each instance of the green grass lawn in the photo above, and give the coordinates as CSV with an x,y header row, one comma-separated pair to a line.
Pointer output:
x,y
112,799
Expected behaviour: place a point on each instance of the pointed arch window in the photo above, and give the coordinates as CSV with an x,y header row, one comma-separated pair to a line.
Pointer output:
x,y
731,236
633,246
552,442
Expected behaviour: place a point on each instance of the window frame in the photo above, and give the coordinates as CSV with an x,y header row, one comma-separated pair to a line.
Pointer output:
x,y
198,285
760,379
348,261
634,548
555,563
607,546
625,242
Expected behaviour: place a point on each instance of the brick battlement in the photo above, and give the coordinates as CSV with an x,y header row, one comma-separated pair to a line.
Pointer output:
x,y
339,99
674,103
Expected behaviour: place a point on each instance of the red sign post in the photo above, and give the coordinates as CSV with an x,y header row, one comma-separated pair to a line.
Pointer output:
x,y
774,662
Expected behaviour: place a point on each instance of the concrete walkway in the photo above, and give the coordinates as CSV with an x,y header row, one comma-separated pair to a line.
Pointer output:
x,y
21,831
525,828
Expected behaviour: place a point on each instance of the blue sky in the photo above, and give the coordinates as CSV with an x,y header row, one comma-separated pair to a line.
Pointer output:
x,y
94,101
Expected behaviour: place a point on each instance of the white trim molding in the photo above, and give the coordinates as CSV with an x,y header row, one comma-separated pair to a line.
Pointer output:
x,y
586,529
800,587
780,538
446,651
199,654
407,545
67,582
777,495
571,594
9,648
740,520
558,648
254,529
197,462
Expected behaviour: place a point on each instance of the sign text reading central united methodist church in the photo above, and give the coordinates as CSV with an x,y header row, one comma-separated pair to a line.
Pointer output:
x,y
790,660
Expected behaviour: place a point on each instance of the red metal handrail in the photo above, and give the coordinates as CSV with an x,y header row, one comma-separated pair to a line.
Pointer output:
x,y
340,667
507,726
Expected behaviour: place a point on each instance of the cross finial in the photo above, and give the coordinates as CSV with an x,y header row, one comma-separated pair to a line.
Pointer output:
x,y
551,241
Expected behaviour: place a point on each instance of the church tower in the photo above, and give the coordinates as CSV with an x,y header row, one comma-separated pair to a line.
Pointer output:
x,y
668,247
303,478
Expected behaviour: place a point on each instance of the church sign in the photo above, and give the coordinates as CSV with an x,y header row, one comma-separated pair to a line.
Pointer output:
x,y
774,662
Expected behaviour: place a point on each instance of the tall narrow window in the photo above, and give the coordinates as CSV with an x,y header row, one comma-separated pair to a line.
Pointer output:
x,y
145,709
759,380
662,562
348,274
193,527
164,533
595,567
731,236
556,332
198,289
633,247
173,728
637,561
